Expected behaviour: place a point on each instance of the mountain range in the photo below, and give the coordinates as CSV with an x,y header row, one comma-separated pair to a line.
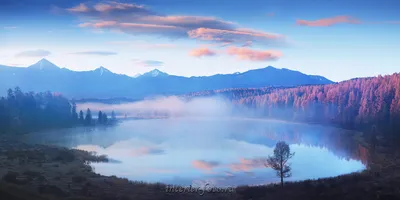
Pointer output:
x,y
102,83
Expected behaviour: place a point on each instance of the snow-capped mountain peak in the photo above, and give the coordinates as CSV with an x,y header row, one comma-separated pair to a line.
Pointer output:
x,y
102,70
44,64
155,73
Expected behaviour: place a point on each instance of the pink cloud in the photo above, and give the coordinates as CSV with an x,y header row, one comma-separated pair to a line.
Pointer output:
x,y
328,21
242,36
100,24
138,19
247,165
200,52
133,27
132,19
271,14
111,24
253,55
248,44
136,25
146,151
81,8
205,165
102,7
188,22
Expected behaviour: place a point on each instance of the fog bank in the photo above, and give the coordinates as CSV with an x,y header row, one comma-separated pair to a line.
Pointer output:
x,y
165,106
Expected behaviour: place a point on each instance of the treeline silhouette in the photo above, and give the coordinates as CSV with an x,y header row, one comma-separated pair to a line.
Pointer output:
x,y
27,112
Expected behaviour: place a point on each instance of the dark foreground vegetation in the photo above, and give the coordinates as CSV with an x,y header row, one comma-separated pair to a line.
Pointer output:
x,y
28,112
37,172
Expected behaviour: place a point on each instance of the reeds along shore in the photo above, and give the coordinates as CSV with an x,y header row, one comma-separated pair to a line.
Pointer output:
x,y
46,172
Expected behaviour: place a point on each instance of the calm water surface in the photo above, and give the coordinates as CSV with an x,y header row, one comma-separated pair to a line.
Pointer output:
x,y
223,152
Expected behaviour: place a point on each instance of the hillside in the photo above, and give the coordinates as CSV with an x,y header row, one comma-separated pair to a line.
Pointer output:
x,y
355,104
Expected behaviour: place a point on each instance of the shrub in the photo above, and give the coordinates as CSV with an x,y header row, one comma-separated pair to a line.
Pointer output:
x,y
78,179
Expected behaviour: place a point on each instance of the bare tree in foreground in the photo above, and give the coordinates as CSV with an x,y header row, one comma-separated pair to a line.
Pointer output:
x,y
279,160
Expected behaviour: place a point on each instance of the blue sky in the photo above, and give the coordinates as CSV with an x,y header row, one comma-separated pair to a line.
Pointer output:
x,y
339,39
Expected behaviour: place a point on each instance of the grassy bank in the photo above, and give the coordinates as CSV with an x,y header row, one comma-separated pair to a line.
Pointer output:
x,y
45,172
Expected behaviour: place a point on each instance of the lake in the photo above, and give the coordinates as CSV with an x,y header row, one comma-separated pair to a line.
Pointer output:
x,y
217,151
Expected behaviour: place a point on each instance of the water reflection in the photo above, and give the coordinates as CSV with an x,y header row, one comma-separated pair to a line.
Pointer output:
x,y
224,152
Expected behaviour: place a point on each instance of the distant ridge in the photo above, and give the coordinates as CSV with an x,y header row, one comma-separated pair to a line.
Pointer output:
x,y
102,83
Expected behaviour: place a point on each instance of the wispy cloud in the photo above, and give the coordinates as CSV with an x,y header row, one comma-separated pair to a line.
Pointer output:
x,y
329,21
110,9
161,171
147,151
253,55
149,63
248,44
247,165
392,22
270,14
144,45
238,36
81,8
10,27
205,165
201,52
139,19
34,53
15,65
95,53
157,46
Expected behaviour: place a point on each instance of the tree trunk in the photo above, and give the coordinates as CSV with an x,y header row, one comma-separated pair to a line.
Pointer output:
x,y
281,171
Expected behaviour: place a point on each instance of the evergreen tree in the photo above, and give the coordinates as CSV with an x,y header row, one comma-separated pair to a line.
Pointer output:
x,y
105,118
10,94
81,118
100,118
74,114
88,118
26,112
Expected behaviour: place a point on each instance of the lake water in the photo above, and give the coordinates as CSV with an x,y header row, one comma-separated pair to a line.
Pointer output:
x,y
221,152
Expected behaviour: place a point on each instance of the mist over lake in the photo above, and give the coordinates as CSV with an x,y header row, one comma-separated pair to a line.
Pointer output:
x,y
223,151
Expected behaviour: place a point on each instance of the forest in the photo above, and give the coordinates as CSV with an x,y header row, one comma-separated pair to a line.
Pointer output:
x,y
28,112
356,104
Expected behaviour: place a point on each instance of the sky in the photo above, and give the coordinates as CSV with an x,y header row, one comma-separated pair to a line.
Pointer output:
x,y
338,39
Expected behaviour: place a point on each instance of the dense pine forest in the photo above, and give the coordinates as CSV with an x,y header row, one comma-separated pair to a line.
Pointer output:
x,y
354,104
27,112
